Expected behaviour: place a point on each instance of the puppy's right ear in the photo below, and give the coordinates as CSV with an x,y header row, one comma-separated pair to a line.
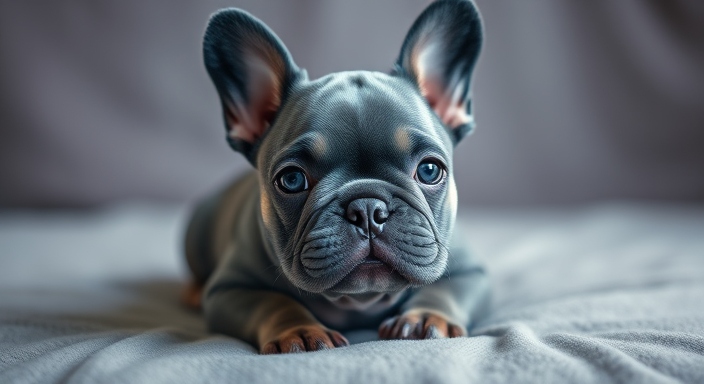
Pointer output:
x,y
439,55
252,71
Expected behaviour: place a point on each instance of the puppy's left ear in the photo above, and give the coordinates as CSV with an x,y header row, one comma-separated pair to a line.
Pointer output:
x,y
439,55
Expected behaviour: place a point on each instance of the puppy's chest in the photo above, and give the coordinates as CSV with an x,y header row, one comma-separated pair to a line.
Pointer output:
x,y
354,312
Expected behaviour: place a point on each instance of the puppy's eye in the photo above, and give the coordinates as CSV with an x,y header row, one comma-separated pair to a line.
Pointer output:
x,y
292,180
429,172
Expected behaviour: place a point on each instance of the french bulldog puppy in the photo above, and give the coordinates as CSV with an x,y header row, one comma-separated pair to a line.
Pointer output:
x,y
346,222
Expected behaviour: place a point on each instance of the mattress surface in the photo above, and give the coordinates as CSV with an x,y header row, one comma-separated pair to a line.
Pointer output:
x,y
605,293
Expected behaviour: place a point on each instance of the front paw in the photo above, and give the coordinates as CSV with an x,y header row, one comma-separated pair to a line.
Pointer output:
x,y
419,324
304,338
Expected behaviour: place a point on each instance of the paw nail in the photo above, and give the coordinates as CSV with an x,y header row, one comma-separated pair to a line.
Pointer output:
x,y
406,330
319,345
432,333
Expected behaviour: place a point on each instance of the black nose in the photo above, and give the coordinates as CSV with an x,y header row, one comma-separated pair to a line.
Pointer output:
x,y
368,214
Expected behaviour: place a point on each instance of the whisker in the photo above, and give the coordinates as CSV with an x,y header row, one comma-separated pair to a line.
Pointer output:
x,y
277,277
271,266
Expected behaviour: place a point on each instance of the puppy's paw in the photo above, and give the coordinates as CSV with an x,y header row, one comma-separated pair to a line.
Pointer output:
x,y
419,324
192,296
303,339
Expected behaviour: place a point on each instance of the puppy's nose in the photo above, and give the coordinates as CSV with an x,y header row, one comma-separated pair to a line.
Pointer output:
x,y
368,214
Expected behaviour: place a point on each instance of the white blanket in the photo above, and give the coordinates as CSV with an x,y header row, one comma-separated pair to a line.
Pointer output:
x,y
606,293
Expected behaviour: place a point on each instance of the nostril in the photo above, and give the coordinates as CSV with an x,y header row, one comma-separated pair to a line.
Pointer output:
x,y
368,214
352,216
380,215
357,214
355,218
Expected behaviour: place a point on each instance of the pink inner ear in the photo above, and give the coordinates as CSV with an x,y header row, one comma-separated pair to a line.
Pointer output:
x,y
446,100
248,121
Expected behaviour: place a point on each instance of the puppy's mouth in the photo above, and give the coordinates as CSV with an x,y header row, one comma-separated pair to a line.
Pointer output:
x,y
371,260
370,275
370,264
334,256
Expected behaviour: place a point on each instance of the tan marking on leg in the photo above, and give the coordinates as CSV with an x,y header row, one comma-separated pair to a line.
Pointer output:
x,y
192,296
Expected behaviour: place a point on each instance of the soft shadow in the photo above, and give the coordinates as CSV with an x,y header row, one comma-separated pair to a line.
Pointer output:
x,y
155,304
144,305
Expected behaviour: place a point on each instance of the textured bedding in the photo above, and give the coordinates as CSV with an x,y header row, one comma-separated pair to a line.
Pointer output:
x,y
604,293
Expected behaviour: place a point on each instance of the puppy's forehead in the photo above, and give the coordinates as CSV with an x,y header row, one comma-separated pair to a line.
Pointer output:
x,y
364,101
353,114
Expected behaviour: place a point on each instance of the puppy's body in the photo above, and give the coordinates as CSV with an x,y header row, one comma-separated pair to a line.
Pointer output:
x,y
347,221
222,254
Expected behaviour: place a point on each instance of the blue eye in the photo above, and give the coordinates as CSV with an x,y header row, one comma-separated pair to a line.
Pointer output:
x,y
292,180
429,172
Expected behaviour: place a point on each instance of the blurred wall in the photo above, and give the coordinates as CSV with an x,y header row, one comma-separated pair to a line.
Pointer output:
x,y
576,101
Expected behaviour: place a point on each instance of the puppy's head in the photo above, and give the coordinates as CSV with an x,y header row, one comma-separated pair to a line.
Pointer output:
x,y
357,192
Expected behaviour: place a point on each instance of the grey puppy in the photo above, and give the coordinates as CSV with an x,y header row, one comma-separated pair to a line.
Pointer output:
x,y
346,222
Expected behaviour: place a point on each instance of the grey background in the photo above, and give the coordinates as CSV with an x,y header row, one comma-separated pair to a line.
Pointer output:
x,y
576,101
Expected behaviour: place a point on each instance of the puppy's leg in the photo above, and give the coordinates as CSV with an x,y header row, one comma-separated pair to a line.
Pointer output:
x,y
444,308
192,296
274,322
198,252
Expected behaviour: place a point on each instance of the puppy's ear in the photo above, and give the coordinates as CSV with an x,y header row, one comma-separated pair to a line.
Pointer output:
x,y
252,71
439,55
